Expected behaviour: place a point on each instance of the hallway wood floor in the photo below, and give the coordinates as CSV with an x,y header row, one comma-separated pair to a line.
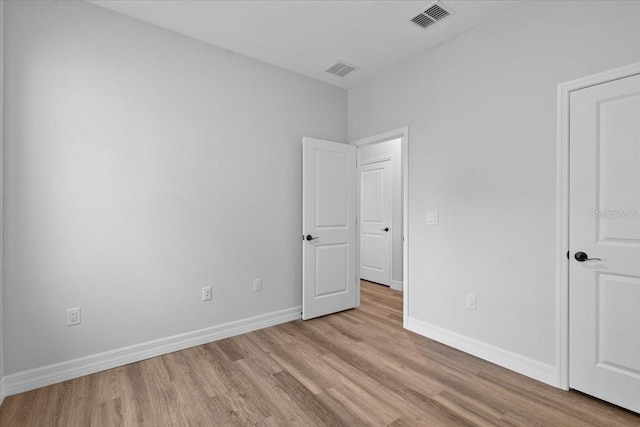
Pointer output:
x,y
358,367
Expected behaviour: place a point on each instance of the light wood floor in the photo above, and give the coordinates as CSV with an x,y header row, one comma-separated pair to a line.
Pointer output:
x,y
358,367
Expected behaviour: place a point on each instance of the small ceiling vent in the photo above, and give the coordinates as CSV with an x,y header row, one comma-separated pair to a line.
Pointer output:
x,y
432,14
341,69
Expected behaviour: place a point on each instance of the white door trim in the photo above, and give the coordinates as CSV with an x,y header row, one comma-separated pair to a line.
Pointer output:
x,y
376,160
403,134
562,218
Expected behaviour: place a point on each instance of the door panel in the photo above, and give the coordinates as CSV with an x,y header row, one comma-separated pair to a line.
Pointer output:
x,y
331,192
605,223
376,216
372,248
328,218
618,346
332,272
618,158
373,194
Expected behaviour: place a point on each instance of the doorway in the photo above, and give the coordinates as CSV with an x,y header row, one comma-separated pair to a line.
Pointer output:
x,y
330,228
382,211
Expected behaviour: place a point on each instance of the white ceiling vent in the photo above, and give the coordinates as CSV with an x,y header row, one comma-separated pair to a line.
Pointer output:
x,y
341,69
432,14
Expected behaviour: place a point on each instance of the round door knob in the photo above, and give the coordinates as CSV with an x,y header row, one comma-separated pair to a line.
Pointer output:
x,y
582,257
385,229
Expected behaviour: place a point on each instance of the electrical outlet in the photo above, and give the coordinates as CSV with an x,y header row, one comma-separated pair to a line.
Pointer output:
x,y
73,316
471,302
206,293
257,285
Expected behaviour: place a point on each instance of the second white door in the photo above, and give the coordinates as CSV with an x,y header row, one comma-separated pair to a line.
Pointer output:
x,y
375,222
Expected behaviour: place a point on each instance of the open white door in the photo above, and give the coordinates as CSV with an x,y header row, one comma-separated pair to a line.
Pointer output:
x,y
375,222
329,227
604,271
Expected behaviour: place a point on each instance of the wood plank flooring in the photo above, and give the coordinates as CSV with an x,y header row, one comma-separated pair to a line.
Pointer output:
x,y
354,368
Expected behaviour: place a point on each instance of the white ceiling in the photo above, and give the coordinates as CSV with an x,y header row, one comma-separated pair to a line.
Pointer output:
x,y
308,36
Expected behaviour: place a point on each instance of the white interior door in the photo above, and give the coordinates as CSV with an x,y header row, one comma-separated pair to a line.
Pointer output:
x,y
329,227
604,223
375,222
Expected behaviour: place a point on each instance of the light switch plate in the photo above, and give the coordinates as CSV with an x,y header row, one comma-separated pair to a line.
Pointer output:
x,y
432,218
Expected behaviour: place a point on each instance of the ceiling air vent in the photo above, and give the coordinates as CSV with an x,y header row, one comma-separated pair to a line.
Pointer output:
x,y
432,14
341,69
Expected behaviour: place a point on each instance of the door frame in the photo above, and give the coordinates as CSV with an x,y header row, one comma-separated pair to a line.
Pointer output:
x,y
562,203
403,135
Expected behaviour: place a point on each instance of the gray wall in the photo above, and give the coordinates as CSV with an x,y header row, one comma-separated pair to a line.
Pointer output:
x,y
481,111
140,166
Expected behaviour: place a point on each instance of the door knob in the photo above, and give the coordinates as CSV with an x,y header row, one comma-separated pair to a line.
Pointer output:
x,y
310,237
582,257
385,229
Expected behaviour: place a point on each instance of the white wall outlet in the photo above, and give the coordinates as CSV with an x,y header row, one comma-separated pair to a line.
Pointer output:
x,y
73,316
432,218
471,301
257,285
206,293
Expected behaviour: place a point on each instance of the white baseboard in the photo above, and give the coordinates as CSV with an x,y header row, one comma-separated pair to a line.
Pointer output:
x,y
396,285
63,371
2,390
507,359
